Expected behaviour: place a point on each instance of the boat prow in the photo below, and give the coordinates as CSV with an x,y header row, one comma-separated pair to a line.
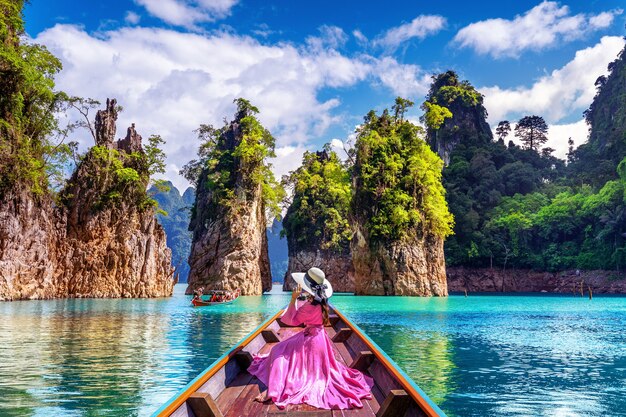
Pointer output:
x,y
226,389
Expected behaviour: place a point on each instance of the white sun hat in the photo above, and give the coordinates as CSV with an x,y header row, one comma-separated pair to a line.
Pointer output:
x,y
312,278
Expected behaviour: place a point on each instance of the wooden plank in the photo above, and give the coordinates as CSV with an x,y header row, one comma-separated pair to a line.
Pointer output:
x,y
255,344
286,332
344,352
270,336
342,335
333,319
363,360
384,379
330,332
245,405
233,391
203,405
317,413
377,399
183,411
220,380
395,405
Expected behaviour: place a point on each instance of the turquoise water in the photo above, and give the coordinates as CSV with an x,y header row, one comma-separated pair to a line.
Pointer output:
x,y
474,356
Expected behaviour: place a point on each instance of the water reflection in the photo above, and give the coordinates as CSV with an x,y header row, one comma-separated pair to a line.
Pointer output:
x,y
475,356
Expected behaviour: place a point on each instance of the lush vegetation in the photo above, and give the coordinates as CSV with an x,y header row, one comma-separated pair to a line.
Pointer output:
x,y
397,177
594,162
113,176
232,162
519,206
31,141
318,215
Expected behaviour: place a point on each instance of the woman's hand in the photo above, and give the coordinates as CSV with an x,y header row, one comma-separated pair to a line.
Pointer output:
x,y
296,293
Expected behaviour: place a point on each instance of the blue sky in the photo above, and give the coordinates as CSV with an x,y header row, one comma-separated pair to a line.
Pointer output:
x,y
315,68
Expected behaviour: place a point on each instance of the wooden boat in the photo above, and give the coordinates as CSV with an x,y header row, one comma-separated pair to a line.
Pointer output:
x,y
226,389
199,303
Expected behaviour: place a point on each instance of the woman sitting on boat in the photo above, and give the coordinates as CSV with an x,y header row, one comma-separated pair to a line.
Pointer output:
x,y
303,368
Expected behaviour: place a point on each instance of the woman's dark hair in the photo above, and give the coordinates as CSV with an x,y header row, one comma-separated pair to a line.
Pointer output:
x,y
325,308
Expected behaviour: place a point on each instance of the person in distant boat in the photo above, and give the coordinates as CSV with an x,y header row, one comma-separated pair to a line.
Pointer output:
x,y
303,368
197,296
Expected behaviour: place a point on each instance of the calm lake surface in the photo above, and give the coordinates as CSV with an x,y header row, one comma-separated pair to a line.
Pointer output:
x,y
476,356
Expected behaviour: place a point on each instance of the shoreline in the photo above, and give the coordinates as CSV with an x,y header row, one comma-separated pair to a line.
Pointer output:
x,y
495,280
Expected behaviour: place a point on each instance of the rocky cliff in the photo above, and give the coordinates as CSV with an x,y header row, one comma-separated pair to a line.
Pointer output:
x,y
399,214
521,280
103,240
114,245
28,246
412,267
229,244
337,267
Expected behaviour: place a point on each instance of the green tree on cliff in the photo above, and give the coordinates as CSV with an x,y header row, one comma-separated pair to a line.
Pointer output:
x,y
28,105
318,214
233,161
397,178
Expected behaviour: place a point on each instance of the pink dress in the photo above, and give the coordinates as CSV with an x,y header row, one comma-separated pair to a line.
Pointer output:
x,y
303,368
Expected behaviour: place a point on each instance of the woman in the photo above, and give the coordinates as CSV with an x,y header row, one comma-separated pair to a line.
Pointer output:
x,y
303,368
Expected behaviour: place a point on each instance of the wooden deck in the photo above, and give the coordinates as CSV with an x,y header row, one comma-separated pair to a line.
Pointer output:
x,y
228,390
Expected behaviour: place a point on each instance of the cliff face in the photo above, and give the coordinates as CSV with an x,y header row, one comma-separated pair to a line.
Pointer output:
x,y
337,267
28,244
100,242
229,246
518,280
415,267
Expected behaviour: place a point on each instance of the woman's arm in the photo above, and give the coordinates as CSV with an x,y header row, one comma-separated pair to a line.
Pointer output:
x,y
289,318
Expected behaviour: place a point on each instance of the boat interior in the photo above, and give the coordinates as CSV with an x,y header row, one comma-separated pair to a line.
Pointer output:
x,y
226,389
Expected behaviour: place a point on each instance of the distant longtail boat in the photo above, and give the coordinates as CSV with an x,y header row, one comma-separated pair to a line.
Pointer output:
x,y
226,389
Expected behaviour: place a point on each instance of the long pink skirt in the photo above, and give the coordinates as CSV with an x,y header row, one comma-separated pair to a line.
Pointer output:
x,y
303,369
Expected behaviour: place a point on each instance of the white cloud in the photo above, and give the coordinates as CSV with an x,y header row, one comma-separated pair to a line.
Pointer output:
x,y
170,82
420,27
543,26
405,80
132,17
188,13
330,37
359,36
560,93
558,136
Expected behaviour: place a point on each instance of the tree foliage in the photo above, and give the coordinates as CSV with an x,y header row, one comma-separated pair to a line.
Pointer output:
x,y
531,131
482,172
317,217
232,162
503,130
397,178
28,105
594,162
